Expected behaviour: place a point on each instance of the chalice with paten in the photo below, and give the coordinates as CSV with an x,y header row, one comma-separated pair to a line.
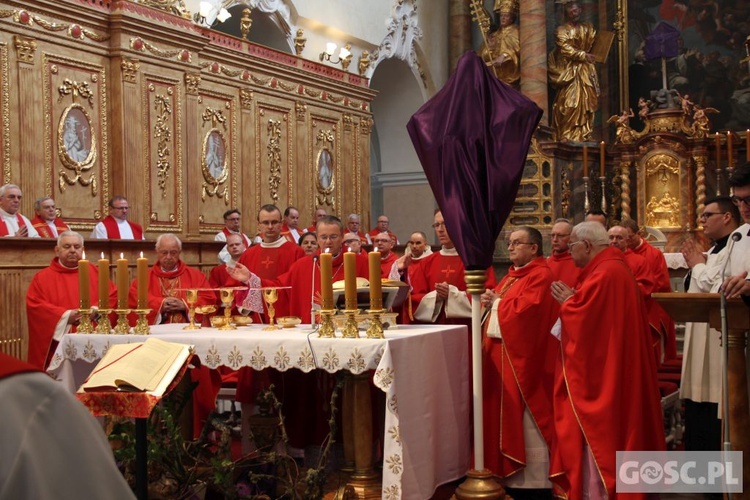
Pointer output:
x,y
227,297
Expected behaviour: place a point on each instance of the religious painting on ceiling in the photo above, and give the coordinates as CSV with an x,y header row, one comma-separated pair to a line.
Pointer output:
x,y
709,66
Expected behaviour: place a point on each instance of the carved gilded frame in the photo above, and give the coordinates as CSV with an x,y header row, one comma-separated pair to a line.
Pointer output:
x,y
325,168
213,183
66,132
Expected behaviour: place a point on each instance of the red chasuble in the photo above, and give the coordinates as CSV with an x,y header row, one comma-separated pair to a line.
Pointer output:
x,y
52,292
4,231
518,370
563,268
162,285
439,268
606,391
113,232
386,263
270,263
659,318
377,231
43,229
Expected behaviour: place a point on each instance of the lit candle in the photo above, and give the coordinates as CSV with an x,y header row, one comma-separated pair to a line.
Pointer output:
x,y
718,150
350,280
376,290
121,278
84,293
729,149
585,161
142,286
326,280
602,158
103,282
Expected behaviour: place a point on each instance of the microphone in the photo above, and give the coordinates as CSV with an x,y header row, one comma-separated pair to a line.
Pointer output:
x,y
727,445
736,236
312,295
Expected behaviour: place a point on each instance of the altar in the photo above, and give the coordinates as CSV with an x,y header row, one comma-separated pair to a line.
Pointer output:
x,y
423,371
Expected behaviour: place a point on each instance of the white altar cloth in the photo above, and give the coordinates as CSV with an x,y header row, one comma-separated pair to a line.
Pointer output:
x,y
423,370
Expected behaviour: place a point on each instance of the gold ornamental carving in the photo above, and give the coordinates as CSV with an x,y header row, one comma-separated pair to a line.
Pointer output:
x,y
176,7
662,178
163,135
346,118
76,147
75,89
192,82
245,23
26,48
246,98
129,68
366,124
5,103
700,182
324,168
214,164
274,158
300,109
299,42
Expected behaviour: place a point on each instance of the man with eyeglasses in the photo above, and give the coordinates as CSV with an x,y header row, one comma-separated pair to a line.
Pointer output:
x,y
353,243
116,225
384,244
702,365
518,370
738,285
232,219
383,226
438,285
606,363
353,226
46,221
12,223
560,262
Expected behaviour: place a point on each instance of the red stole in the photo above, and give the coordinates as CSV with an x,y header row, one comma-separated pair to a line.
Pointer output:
x,y
386,264
113,232
524,360
44,230
11,366
227,232
4,231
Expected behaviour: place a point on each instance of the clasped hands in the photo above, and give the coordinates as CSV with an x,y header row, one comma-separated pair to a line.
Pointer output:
x,y
560,291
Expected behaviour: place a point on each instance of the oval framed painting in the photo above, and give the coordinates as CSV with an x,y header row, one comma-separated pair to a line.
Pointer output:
x,y
214,157
76,142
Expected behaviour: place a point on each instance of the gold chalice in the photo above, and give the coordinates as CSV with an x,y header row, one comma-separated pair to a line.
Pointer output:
x,y
191,297
227,297
270,295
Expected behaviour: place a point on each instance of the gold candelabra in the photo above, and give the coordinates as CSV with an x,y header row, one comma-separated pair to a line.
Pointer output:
x,y
141,324
375,330
122,327
326,328
350,331
102,323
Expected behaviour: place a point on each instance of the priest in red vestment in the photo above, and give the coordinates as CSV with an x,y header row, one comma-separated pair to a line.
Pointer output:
x,y
232,225
657,266
518,367
384,244
320,213
560,262
438,285
116,225
46,222
305,408
12,223
290,227
52,300
383,226
354,226
606,395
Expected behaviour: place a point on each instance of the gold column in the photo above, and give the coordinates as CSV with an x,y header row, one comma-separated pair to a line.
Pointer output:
x,y
700,185
533,35
29,174
459,31
365,480
625,189
192,150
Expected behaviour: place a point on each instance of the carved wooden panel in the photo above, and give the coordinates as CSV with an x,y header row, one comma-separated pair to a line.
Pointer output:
x,y
215,172
4,113
163,154
326,153
13,336
274,174
76,136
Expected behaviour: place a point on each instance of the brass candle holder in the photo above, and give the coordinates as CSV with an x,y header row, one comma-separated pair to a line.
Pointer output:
x,y
84,324
326,328
270,296
350,331
102,324
191,297
122,327
375,330
227,297
141,324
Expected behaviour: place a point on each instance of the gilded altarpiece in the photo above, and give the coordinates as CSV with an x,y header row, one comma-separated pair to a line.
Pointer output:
x,y
162,155
660,195
76,145
214,175
273,160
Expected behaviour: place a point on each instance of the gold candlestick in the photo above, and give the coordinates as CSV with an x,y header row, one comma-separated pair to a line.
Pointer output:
x,y
326,328
350,330
227,296
122,327
270,296
102,324
141,324
375,330
84,324
191,297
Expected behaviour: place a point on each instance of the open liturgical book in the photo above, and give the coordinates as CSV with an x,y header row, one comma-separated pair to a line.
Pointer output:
x,y
148,367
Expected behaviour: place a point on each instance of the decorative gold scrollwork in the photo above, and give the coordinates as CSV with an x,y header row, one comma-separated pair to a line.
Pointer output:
x,y
214,165
215,116
76,89
76,147
324,168
274,157
163,134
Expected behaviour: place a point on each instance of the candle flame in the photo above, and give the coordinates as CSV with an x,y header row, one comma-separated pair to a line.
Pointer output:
x,y
141,254
102,256
121,255
350,249
375,249
83,255
326,250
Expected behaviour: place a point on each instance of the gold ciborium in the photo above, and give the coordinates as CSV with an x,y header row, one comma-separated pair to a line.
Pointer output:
x,y
227,297
270,295
191,297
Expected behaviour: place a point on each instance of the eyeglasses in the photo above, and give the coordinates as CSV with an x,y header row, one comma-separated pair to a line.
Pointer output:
x,y
574,243
349,242
438,224
515,243
383,222
555,236
381,241
737,200
706,215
